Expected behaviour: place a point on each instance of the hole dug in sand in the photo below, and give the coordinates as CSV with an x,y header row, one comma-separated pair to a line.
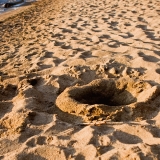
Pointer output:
x,y
115,99
33,82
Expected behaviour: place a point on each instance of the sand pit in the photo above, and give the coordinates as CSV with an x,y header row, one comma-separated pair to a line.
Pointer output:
x,y
116,100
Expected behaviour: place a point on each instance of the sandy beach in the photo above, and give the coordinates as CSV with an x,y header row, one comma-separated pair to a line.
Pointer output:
x,y
80,80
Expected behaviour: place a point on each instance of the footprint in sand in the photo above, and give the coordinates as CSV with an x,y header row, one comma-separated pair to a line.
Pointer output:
x,y
148,57
7,92
126,138
158,70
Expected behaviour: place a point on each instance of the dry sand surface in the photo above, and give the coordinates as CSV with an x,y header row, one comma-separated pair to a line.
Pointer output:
x,y
80,80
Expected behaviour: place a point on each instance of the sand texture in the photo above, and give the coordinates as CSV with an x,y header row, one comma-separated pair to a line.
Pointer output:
x,y
80,80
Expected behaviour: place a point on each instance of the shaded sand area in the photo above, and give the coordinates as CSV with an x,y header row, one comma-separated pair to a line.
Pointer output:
x,y
80,80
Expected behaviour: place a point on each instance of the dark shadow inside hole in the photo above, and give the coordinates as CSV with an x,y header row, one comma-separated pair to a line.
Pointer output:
x,y
33,82
94,98
111,98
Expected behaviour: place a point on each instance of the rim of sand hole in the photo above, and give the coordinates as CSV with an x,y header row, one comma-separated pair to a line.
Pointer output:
x,y
106,99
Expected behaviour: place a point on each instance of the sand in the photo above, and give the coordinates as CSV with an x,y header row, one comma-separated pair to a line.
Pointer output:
x,y
80,80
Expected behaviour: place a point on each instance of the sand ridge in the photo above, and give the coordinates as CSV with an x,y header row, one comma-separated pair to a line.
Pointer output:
x,y
54,47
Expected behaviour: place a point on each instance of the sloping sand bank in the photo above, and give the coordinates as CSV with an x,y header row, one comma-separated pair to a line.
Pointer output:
x,y
80,80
